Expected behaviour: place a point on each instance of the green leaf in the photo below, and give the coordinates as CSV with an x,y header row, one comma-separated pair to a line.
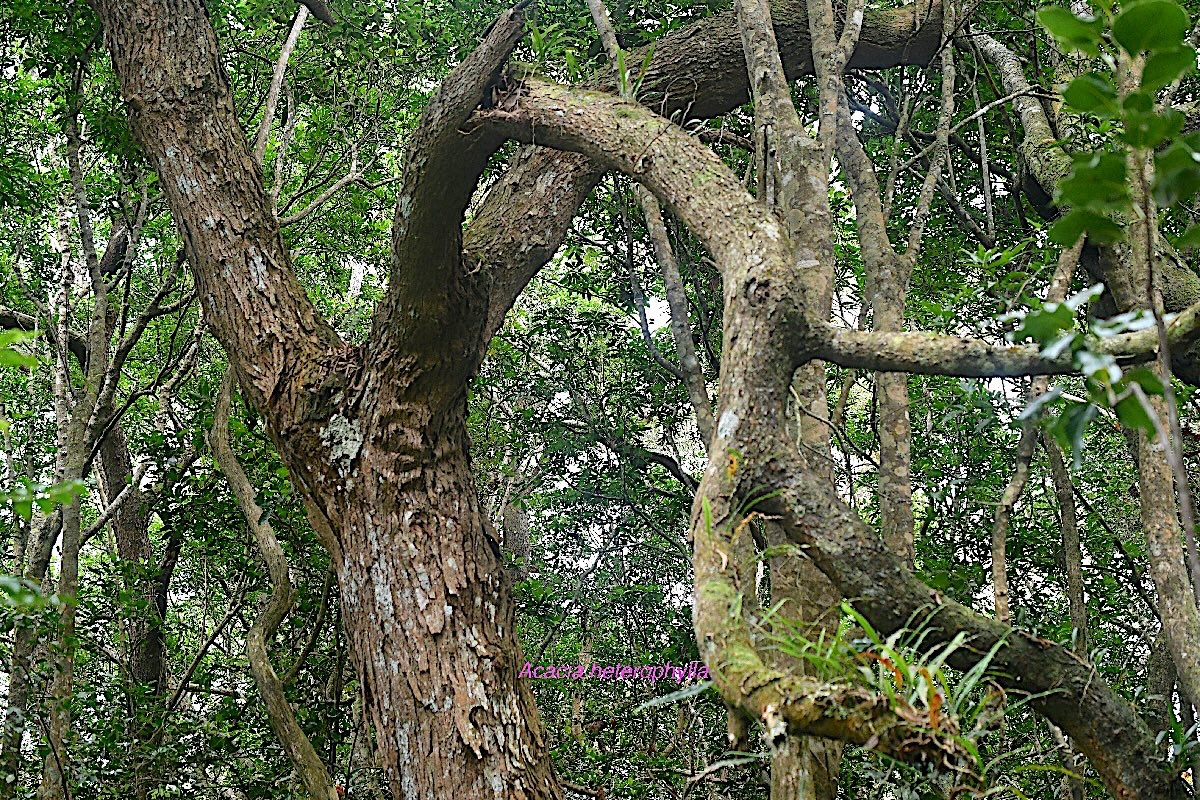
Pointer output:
x,y
14,336
1133,414
1100,229
1189,239
19,594
14,358
1071,427
1096,183
645,68
65,491
1149,130
1139,102
11,358
1164,67
622,74
1154,25
1092,93
1144,377
1044,324
1074,32
1177,171
938,580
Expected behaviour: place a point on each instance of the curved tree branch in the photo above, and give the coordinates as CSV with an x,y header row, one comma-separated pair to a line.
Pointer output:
x,y
698,72
1048,164
753,461
19,320
426,298
295,743
1063,687
690,373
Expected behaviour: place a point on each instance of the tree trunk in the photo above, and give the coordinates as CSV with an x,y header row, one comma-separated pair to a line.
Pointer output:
x,y
20,664
1176,603
803,767
515,521
375,439
131,526
55,774
421,563
807,767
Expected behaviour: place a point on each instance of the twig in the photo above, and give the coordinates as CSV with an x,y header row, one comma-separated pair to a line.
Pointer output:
x,y
264,127
129,491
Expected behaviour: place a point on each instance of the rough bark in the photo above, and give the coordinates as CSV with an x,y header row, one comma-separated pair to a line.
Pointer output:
x,y
431,285
378,446
374,439
421,564
1161,507
1176,603
697,187
182,111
